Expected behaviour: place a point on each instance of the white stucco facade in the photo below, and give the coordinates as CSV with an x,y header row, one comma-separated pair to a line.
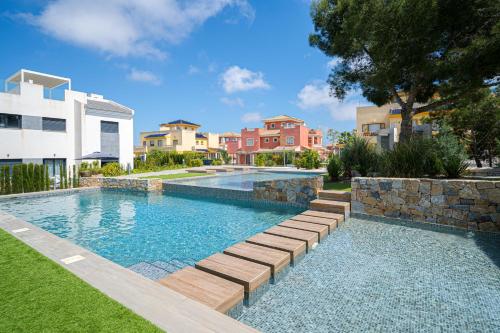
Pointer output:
x,y
36,128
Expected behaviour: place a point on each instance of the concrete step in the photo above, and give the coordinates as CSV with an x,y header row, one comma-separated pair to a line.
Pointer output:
x,y
335,195
332,206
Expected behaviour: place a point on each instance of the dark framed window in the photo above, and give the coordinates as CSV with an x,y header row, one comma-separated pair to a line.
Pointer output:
x,y
10,120
53,124
54,165
109,127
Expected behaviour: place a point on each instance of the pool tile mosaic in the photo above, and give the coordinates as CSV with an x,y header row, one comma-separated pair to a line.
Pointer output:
x,y
370,276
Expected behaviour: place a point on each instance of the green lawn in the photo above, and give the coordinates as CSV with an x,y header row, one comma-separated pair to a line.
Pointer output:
x,y
339,186
178,175
38,295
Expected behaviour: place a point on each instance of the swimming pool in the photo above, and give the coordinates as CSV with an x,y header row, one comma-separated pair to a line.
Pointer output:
x,y
151,233
242,180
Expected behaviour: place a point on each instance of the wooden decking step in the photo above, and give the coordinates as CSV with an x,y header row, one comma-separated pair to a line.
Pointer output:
x,y
332,206
335,195
275,259
295,248
330,223
217,293
249,274
317,213
309,237
320,230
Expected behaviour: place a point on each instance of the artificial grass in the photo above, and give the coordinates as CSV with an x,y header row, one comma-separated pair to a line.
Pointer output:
x,y
178,175
38,295
339,186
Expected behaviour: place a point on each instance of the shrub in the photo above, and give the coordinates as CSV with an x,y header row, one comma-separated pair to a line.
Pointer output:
x,y
6,184
412,159
334,168
47,178
452,153
36,176
24,171
216,162
17,179
196,162
260,160
112,170
31,177
309,159
359,155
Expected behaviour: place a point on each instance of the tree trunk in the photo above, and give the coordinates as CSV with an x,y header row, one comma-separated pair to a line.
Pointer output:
x,y
475,151
406,124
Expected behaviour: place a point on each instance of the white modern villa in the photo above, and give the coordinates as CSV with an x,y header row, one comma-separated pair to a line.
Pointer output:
x,y
43,121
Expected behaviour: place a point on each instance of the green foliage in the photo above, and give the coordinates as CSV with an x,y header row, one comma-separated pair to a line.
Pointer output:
x,y
225,156
75,181
17,179
339,137
47,178
36,178
423,49
216,162
31,177
452,153
112,170
24,171
411,159
359,155
195,162
6,184
309,159
334,168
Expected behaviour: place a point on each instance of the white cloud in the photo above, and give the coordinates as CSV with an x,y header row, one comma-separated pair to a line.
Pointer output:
x,y
241,79
143,76
129,27
192,70
251,117
333,63
232,101
316,95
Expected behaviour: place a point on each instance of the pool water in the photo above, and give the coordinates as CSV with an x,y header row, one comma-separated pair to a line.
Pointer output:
x,y
242,180
371,276
134,228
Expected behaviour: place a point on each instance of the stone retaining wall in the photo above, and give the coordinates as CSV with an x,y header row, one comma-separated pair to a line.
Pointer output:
x,y
123,183
296,190
470,204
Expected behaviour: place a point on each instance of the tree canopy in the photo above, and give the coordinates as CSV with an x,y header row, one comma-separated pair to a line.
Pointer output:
x,y
421,54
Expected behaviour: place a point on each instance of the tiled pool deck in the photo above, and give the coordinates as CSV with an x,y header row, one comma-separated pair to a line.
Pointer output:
x,y
381,277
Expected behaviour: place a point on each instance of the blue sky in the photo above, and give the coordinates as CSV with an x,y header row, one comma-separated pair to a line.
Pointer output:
x,y
224,64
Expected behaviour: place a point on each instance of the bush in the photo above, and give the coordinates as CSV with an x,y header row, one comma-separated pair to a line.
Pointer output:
x,y
6,185
17,179
359,155
452,154
216,162
195,162
412,159
334,168
112,170
309,159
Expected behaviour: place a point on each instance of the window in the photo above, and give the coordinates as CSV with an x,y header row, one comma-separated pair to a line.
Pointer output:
x,y
275,139
266,140
249,142
273,125
53,165
109,127
372,128
290,140
175,142
144,143
160,143
152,143
53,124
289,125
10,120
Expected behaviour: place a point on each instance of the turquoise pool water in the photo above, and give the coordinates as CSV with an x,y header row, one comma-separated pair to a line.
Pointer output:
x,y
242,180
153,233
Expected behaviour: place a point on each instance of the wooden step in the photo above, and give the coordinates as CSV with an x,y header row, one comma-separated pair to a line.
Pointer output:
x,y
330,223
331,206
321,230
295,248
309,237
217,293
275,259
338,217
244,272
335,195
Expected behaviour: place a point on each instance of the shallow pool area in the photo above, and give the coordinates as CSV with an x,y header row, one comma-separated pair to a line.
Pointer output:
x,y
383,277
152,233
241,180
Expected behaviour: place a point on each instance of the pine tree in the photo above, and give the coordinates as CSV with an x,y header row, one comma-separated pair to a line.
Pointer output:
x,y
65,177
2,181
75,183
16,179
69,179
35,183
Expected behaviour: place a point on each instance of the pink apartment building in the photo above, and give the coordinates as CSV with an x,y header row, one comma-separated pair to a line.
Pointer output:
x,y
230,142
280,134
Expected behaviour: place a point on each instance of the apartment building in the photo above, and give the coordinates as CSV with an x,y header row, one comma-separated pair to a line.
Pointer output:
x,y
42,120
178,135
381,125
279,134
230,142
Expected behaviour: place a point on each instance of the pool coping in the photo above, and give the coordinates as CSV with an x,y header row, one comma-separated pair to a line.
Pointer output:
x,y
162,306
